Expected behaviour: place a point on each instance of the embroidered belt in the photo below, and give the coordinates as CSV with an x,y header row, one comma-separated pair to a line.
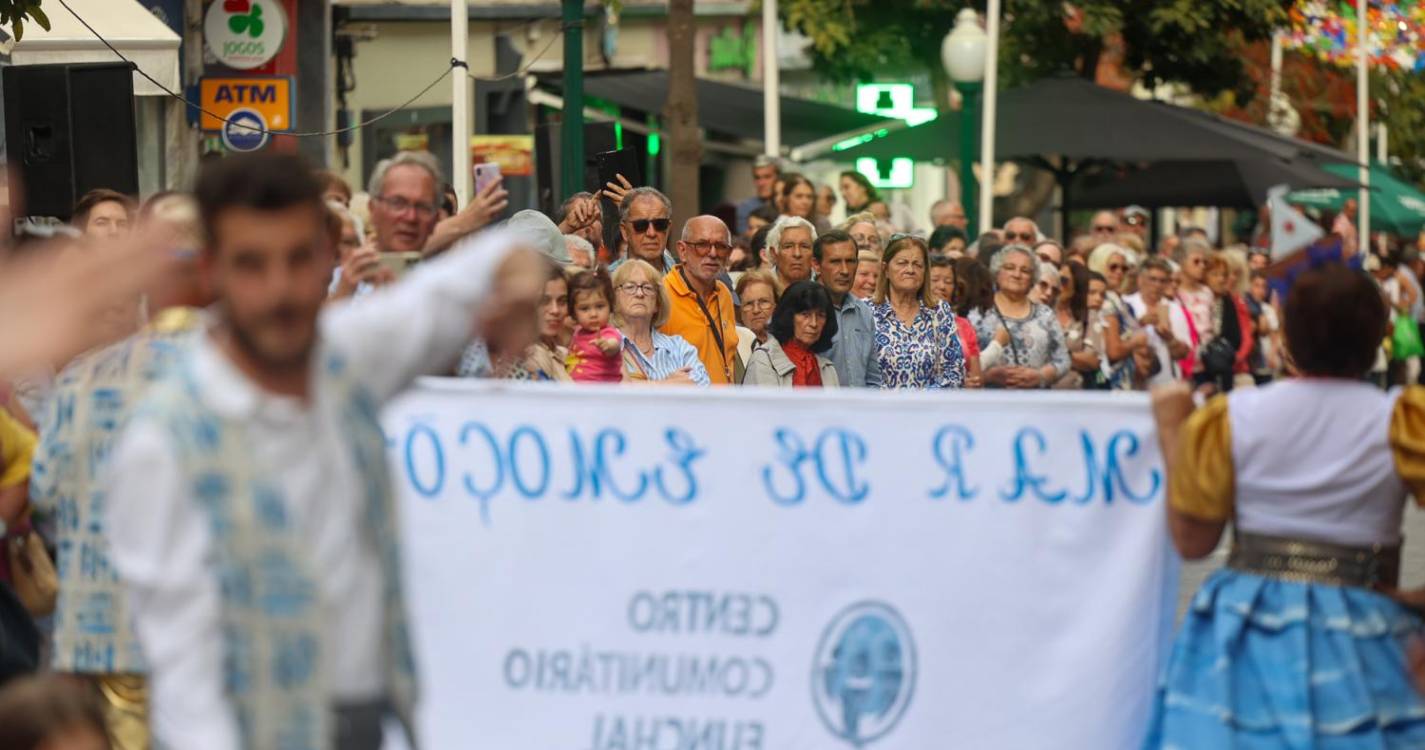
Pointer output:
x,y
1316,562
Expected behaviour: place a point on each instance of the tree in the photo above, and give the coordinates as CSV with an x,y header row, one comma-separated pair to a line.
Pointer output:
x,y
14,13
1192,42
680,113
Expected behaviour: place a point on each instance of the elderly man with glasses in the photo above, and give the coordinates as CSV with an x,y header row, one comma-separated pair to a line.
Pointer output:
x,y
1105,226
1162,317
1021,231
645,215
700,307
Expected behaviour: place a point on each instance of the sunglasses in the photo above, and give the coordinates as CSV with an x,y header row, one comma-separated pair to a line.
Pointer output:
x,y
1117,267
1105,229
641,225
1021,236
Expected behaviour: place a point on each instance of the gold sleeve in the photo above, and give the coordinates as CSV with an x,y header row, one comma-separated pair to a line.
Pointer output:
x,y
17,450
1202,484
1407,440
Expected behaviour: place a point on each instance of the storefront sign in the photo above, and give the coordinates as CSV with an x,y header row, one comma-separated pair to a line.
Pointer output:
x,y
245,130
611,568
514,153
270,97
245,34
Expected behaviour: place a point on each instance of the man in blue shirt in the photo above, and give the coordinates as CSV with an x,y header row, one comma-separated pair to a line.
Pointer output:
x,y
853,351
765,172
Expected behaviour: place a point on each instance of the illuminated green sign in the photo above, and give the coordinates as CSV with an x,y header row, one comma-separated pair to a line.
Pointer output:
x,y
894,100
900,175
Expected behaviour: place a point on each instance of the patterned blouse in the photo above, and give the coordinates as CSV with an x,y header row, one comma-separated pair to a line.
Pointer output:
x,y
1038,339
925,354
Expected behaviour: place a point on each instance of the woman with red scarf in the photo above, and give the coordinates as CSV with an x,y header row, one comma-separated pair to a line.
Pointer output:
x,y
802,327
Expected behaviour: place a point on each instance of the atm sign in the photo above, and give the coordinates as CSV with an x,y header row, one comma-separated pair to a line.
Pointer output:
x,y
269,97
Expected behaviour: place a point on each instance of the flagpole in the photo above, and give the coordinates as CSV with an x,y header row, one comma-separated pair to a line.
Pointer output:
x,y
771,82
460,101
1363,203
990,99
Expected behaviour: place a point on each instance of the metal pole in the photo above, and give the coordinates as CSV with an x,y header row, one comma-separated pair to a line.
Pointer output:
x,y
969,148
571,149
1276,79
1382,143
771,81
460,100
987,127
1363,116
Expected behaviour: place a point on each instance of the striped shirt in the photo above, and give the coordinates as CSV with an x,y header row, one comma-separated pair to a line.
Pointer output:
x,y
670,354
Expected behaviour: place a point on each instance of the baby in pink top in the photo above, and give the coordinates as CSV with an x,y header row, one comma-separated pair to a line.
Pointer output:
x,y
596,351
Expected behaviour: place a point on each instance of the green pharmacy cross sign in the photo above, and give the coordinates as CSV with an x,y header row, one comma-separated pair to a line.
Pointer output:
x,y
896,101
732,51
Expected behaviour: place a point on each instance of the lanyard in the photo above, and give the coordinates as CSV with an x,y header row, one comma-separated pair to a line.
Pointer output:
x,y
713,325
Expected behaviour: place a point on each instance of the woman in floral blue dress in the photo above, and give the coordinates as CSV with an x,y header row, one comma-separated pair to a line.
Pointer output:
x,y
917,342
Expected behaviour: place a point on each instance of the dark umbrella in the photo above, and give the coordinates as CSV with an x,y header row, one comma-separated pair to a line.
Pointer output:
x,y
1235,183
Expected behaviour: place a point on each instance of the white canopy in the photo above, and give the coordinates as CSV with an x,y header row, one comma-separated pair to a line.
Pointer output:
x,y
130,27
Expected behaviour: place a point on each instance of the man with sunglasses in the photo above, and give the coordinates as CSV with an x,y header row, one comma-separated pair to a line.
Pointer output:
x,y
1105,226
645,214
700,307
1021,231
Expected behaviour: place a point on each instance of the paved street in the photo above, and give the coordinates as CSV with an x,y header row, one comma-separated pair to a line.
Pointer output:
x,y
1413,572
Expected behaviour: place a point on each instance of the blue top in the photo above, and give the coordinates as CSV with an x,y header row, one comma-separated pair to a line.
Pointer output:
x,y
853,350
670,354
925,354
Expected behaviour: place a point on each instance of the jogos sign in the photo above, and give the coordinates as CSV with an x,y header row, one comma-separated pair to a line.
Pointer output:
x,y
245,34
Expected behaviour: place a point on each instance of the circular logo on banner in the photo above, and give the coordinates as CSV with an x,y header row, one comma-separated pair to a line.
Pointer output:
x,y
863,675
245,130
244,34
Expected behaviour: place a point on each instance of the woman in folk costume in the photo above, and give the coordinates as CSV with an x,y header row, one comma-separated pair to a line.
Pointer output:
x,y
1302,640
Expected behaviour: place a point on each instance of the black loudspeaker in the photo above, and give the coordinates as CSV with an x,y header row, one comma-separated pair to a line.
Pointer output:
x,y
70,129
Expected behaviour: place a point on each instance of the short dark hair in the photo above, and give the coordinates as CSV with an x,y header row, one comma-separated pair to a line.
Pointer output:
x,y
89,200
591,281
830,238
1335,319
977,286
799,298
568,205
938,260
1156,263
766,212
943,234
258,181
35,709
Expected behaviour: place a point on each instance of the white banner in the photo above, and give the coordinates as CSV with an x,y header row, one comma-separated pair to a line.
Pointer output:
x,y
625,568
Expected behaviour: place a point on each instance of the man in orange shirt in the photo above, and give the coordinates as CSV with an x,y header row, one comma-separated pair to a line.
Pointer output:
x,y
700,308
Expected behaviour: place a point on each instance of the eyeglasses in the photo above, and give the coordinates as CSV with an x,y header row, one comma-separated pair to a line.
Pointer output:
x,y
637,290
1106,228
1117,267
704,247
641,225
400,205
1021,236
758,304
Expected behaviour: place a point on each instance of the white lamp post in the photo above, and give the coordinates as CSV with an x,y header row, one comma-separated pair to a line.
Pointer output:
x,y
963,53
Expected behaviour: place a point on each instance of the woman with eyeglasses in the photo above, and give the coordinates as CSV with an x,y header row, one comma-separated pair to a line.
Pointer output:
x,y
1123,336
757,293
802,327
640,307
917,341
1033,353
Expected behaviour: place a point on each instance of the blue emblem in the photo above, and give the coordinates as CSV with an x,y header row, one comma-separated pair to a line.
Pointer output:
x,y
863,675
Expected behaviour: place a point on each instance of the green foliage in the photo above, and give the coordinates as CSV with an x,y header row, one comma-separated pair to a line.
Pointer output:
x,y
1400,104
13,13
1193,42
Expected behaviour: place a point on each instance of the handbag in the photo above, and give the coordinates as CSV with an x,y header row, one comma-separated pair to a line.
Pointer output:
x,y
1405,339
32,573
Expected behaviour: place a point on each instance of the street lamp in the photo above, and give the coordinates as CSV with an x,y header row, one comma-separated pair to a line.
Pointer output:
x,y
963,53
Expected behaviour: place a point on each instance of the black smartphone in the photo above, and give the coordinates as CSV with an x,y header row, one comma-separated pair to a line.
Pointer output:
x,y
624,162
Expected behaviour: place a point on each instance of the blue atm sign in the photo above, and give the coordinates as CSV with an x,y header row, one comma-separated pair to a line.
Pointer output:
x,y
269,98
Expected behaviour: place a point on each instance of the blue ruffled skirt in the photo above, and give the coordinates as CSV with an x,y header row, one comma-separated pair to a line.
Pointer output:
x,y
1264,663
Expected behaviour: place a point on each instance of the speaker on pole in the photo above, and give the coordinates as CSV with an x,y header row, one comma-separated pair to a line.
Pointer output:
x,y
70,129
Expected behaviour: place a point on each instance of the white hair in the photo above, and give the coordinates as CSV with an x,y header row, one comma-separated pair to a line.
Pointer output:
x,y
774,235
422,159
348,215
998,259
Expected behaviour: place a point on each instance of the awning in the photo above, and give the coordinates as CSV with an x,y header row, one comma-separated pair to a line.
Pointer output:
x,y
725,108
130,27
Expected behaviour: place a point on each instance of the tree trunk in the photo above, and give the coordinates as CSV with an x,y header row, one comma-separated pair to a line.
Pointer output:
x,y
680,115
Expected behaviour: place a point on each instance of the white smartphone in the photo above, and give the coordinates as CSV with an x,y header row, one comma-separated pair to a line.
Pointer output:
x,y
485,173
